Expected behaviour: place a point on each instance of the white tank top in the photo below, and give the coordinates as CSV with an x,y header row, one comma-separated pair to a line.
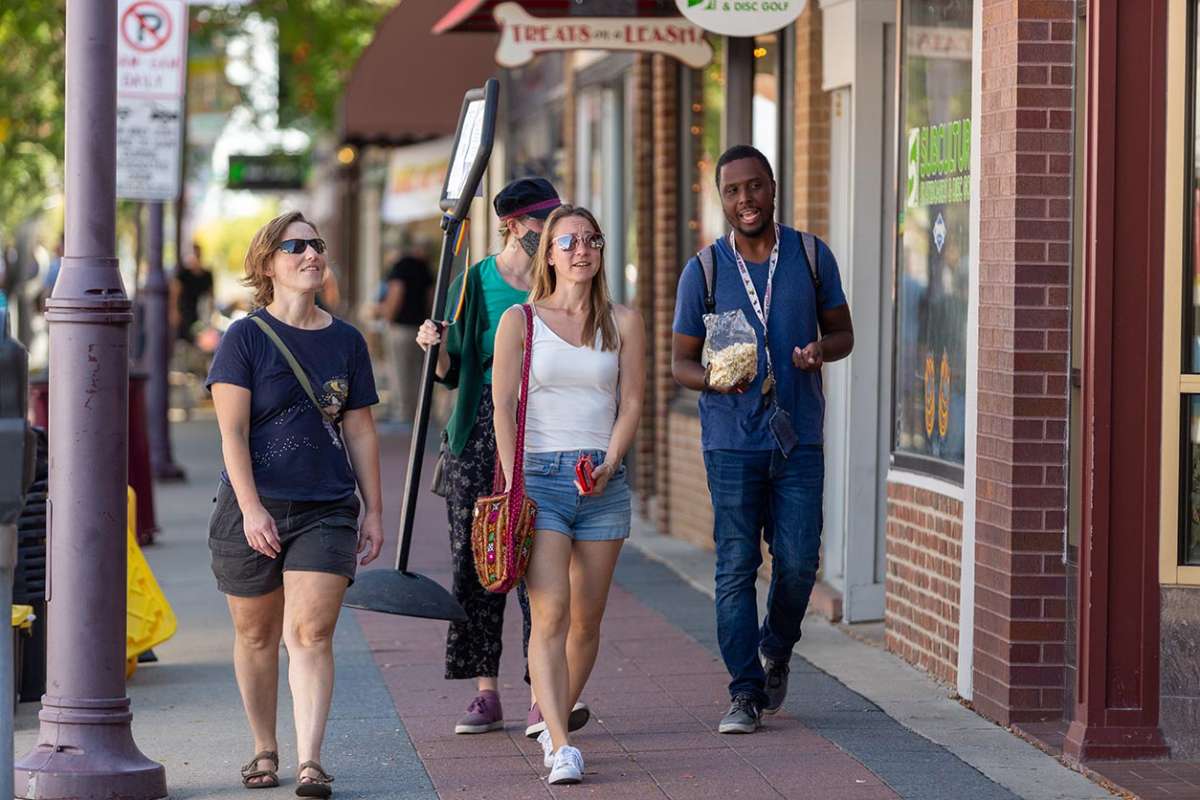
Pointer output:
x,y
572,393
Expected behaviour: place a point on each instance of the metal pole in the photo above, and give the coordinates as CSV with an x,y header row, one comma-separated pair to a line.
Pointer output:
x,y
159,339
85,746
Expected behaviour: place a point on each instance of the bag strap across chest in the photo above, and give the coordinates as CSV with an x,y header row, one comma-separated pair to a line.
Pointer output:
x,y
517,490
297,370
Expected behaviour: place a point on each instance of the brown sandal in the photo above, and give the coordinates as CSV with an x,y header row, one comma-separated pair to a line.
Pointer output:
x,y
315,787
251,772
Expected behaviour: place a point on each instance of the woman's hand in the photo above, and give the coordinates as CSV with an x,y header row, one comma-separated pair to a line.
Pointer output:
x,y
370,537
430,334
601,475
260,530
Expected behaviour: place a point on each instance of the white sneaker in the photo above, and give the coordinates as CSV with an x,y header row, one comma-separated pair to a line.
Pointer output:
x,y
568,766
547,749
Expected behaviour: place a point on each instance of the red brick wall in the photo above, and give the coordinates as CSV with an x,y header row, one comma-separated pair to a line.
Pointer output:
x,y
1024,344
924,557
666,266
811,149
691,507
643,198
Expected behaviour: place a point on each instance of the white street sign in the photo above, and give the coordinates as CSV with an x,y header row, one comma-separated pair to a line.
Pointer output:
x,y
151,76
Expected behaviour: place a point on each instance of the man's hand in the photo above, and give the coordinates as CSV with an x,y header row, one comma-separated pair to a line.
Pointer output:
x,y
737,388
810,358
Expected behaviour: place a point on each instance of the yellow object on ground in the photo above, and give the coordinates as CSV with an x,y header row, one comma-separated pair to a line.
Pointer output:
x,y
22,617
149,620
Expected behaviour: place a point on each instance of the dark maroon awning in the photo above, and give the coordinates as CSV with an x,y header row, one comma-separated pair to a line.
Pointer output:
x,y
408,84
476,15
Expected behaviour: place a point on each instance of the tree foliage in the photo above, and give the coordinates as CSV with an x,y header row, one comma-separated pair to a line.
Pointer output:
x,y
32,107
319,43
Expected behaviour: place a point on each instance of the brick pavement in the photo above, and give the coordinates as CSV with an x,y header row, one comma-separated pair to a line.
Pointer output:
x,y
656,694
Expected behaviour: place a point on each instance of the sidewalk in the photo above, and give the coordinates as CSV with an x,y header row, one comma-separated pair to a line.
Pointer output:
x,y
657,692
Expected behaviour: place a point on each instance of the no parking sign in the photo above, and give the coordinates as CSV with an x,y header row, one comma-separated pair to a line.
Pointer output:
x,y
151,76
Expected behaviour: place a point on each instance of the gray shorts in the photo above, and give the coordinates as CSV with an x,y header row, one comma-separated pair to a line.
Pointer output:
x,y
317,536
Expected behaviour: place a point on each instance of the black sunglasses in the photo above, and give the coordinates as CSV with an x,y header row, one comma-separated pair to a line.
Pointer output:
x,y
294,247
567,241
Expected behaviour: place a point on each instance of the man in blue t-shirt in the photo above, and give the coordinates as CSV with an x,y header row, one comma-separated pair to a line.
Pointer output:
x,y
762,438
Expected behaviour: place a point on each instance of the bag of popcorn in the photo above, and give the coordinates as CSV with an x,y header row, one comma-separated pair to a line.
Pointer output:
x,y
730,349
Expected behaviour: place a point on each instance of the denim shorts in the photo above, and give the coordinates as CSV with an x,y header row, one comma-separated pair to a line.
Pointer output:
x,y
316,536
550,481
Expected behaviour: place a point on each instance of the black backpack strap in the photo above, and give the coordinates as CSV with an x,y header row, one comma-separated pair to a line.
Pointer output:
x,y
708,265
810,252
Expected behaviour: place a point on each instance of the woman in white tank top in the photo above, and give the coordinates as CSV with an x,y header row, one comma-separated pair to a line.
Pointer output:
x,y
587,376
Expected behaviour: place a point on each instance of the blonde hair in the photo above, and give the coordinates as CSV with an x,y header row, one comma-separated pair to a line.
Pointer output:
x,y
262,249
600,312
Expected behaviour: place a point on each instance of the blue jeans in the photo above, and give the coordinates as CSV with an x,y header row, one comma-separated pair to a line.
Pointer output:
x,y
763,494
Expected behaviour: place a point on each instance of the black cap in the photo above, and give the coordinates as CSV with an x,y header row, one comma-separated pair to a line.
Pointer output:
x,y
526,197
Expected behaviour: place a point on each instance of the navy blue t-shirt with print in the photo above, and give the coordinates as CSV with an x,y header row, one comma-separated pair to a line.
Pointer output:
x,y
296,454
740,421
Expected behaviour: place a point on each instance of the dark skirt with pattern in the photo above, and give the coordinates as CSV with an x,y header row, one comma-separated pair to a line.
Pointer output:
x,y
473,647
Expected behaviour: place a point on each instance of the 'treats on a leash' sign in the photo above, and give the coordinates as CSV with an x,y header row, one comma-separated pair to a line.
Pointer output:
x,y
151,75
522,36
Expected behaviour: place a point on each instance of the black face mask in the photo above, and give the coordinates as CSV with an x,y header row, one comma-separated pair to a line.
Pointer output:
x,y
529,242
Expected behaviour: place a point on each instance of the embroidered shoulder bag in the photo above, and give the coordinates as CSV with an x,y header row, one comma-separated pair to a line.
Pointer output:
x,y
502,528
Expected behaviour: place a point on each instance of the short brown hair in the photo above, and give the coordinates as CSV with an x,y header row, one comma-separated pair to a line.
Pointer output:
x,y
262,250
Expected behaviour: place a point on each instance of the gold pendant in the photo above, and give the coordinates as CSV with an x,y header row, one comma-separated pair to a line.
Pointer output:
x,y
768,383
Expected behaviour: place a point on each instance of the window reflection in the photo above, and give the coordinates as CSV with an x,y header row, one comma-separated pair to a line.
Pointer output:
x,y
765,110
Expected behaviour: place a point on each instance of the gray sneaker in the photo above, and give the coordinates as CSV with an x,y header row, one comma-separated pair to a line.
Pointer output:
x,y
777,684
743,716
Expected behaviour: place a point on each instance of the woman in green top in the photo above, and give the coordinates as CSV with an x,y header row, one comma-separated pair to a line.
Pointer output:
x,y
492,286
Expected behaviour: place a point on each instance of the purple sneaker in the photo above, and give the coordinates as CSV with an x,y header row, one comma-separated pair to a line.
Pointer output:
x,y
483,715
534,724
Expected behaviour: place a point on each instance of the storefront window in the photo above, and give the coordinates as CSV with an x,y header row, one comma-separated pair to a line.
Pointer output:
x,y
933,267
765,111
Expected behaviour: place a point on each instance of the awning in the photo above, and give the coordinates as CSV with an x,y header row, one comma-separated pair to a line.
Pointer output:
x,y
408,84
476,15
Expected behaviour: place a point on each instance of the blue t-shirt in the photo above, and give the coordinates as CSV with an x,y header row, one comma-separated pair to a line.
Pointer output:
x,y
295,453
740,421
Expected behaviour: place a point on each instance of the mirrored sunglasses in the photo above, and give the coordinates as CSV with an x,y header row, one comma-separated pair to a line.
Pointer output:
x,y
297,246
567,241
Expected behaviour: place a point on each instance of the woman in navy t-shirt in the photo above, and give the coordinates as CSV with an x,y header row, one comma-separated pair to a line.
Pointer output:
x,y
285,533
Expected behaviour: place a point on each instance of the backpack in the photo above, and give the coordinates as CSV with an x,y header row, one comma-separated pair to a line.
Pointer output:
x,y
708,265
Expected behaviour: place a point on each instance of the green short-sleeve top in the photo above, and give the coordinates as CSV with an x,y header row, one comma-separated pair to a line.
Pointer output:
x,y
498,297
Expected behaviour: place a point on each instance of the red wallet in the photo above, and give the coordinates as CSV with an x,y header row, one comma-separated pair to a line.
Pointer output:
x,y
583,473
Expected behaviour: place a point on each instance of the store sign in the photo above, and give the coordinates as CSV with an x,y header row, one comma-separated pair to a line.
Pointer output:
x,y
523,36
933,269
414,182
275,172
742,17
151,70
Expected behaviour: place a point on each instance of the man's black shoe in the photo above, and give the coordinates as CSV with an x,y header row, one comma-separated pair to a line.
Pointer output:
x,y
777,684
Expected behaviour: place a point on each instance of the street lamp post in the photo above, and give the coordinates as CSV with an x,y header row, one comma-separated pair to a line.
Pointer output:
x,y
159,339
85,745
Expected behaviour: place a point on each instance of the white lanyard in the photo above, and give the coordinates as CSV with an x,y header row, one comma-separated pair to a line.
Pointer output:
x,y
763,310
